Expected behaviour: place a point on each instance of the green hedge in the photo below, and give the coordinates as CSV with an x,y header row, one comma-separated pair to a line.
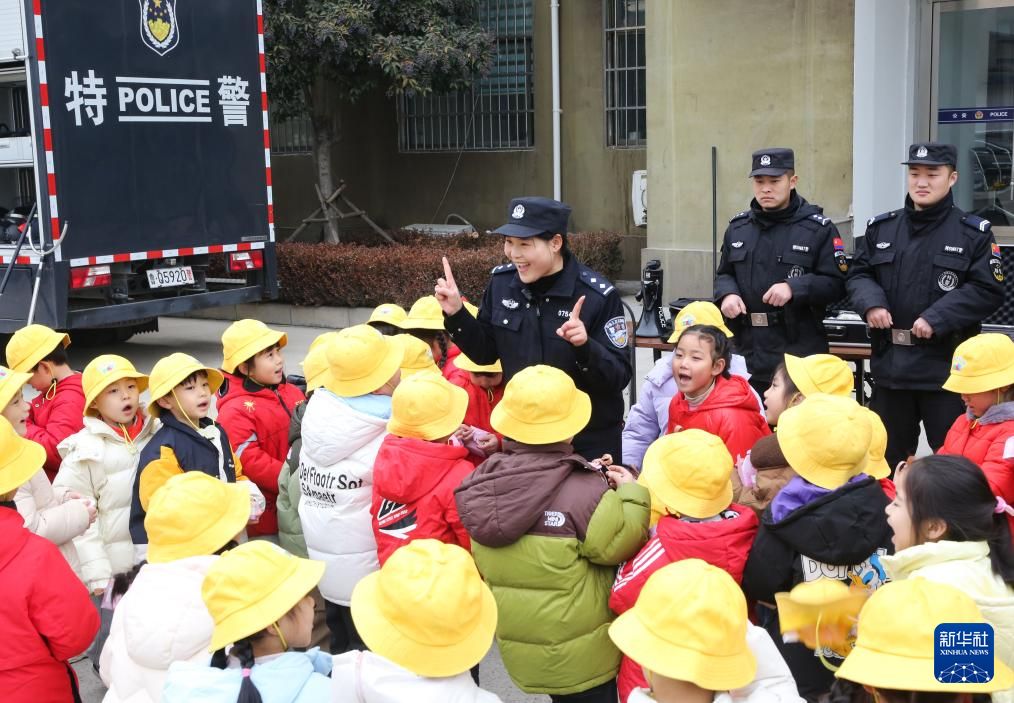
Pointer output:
x,y
367,274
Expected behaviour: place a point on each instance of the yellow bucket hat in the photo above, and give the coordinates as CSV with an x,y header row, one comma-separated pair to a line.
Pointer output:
x,y
825,439
473,310
388,314
20,458
690,473
243,339
170,371
362,360
427,610
425,314
820,373
982,363
102,372
252,586
11,384
31,344
541,405
876,465
466,364
316,368
699,312
193,514
896,639
427,406
824,608
689,624
418,356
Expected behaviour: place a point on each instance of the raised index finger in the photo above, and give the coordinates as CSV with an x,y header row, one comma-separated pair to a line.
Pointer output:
x,y
575,314
448,276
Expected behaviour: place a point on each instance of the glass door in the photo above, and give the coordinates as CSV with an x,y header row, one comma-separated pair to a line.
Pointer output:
x,y
972,103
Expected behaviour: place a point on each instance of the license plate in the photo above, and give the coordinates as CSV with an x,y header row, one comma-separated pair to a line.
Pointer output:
x,y
166,278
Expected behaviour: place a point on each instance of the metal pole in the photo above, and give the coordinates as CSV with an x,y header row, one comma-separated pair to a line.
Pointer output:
x,y
555,30
714,212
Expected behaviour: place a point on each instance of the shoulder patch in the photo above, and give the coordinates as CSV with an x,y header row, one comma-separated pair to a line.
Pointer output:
x,y
740,216
596,282
824,221
976,222
881,218
503,268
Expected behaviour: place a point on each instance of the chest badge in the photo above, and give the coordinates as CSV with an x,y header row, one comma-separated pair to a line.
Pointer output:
x,y
510,303
947,281
883,245
737,245
795,272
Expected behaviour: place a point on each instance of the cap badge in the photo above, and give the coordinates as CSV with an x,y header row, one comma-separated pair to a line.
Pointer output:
x,y
959,363
765,160
519,212
921,153
106,368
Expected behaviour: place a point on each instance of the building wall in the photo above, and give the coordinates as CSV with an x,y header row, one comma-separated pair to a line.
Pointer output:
x,y
397,189
741,75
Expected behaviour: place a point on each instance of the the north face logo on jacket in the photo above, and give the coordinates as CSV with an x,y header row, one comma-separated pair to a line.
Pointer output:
x,y
395,519
554,519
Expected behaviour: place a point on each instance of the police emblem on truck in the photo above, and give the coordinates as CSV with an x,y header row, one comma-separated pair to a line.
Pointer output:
x,y
159,29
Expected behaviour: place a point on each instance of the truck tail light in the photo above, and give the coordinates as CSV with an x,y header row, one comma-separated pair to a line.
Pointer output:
x,y
90,276
246,261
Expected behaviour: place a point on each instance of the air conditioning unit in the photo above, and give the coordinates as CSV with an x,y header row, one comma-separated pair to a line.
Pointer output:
x,y
639,198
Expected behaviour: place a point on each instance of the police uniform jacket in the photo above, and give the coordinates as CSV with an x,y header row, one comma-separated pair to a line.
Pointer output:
x,y
519,327
800,247
947,272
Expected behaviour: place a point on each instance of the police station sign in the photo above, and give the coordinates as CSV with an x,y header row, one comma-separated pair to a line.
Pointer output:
x,y
162,99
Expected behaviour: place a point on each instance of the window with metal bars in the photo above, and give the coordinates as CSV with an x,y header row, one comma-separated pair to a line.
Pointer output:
x,y
291,135
624,67
498,112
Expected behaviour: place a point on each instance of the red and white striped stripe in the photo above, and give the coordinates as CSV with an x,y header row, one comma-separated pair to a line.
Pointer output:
x,y
47,133
264,114
165,253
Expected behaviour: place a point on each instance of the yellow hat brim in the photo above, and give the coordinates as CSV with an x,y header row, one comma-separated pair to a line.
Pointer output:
x,y
892,671
381,374
666,658
796,371
678,501
18,468
377,318
878,468
466,364
543,433
443,426
430,660
983,383
251,348
166,386
407,371
795,615
257,616
12,385
45,347
142,386
675,336
422,323
231,521
320,379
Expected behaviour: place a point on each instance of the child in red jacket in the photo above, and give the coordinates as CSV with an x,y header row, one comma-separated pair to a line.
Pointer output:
x,y
689,477
58,411
48,617
982,371
709,398
255,407
416,469
484,385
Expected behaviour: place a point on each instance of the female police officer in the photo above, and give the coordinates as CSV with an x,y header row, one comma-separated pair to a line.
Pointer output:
x,y
546,307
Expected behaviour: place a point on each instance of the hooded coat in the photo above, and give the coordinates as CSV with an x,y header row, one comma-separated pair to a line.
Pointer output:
x,y
840,534
365,677
983,440
340,445
731,412
292,677
257,420
547,533
723,543
160,619
47,616
413,493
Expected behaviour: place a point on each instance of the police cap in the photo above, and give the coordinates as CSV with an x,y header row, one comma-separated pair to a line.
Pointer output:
x,y
773,162
532,216
932,154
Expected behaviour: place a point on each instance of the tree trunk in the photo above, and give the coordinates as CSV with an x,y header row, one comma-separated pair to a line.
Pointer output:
x,y
324,134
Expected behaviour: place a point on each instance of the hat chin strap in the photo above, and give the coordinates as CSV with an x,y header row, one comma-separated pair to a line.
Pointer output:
x,y
184,412
278,631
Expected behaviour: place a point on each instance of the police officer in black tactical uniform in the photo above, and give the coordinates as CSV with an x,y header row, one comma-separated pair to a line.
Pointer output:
x,y
923,277
546,307
782,264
